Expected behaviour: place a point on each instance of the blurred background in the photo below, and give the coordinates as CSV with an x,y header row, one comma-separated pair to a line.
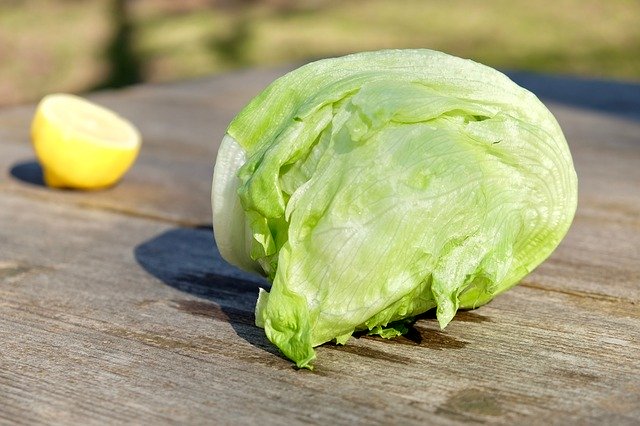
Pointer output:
x,y
84,45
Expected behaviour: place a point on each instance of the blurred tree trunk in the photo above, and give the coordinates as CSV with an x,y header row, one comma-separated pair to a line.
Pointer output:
x,y
124,66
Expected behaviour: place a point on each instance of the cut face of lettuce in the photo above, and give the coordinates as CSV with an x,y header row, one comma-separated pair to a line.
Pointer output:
x,y
373,187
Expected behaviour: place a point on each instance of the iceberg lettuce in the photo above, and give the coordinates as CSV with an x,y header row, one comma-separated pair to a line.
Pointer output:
x,y
373,187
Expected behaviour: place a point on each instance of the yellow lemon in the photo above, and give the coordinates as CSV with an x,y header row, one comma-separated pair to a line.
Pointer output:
x,y
80,144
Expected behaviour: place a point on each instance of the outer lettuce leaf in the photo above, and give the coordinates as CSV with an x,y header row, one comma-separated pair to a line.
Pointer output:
x,y
380,185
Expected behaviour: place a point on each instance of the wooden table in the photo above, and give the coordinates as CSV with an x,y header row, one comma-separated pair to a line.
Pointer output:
x,y
115,306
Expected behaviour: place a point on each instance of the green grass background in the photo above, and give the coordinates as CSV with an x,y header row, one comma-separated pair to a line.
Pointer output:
x,y
81,45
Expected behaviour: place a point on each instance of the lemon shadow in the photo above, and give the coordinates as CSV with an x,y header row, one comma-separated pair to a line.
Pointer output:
x,y
28,172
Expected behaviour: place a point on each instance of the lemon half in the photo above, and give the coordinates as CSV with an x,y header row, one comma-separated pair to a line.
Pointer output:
x,y
80,144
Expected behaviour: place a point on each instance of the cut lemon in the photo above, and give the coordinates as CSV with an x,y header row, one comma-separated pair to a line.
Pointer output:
x,y
80,144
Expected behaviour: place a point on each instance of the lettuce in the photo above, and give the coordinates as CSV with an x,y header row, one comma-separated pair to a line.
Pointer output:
x,y
373,187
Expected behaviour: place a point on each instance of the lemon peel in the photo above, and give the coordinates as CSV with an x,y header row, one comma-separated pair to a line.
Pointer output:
x,y
80,144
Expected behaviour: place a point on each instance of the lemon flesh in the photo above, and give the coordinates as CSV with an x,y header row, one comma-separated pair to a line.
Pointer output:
x,y
80,144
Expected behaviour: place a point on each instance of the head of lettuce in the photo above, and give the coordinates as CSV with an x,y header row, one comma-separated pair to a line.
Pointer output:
x,y
373,187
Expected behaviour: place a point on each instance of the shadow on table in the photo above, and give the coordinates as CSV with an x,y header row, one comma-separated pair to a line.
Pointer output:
x,y
28,172
188,260
621,99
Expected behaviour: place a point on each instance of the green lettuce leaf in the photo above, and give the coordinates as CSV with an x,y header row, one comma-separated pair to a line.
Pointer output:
x,y
373,187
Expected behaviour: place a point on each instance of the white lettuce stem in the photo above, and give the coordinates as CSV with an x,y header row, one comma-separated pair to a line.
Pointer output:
x,y
232,234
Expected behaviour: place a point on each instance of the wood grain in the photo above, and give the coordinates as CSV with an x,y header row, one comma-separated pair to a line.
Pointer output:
x,y
115,306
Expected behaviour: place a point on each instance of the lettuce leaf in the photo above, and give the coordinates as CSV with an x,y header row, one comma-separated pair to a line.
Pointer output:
x,y
373,187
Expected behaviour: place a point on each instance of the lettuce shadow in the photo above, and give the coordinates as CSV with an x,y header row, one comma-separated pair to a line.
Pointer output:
x,y
188,260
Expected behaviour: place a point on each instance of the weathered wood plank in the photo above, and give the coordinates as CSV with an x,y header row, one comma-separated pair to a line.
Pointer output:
x,y
110,318
114,306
